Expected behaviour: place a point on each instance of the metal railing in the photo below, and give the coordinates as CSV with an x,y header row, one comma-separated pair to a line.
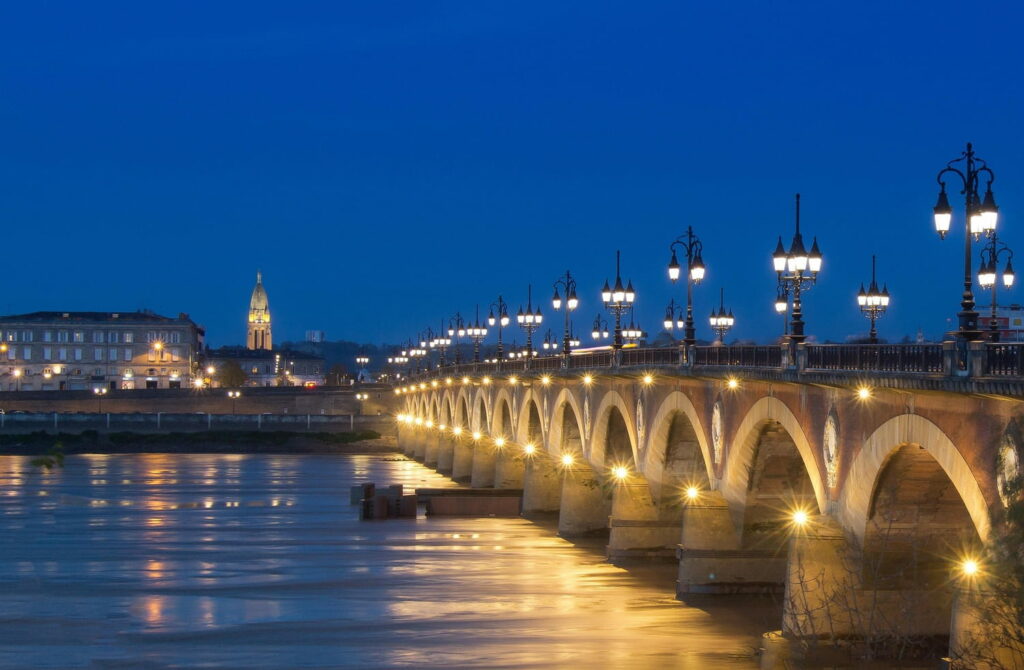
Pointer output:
x,y
1004,359
769,356
876,357
597,359
660,356
546,363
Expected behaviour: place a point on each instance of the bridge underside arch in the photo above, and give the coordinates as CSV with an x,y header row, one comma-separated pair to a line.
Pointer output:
x,y
677,456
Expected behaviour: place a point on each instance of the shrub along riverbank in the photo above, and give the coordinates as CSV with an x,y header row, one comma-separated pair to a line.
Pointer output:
x,y
235,442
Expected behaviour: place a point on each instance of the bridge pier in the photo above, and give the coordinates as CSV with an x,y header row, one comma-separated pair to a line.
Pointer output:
x,y
971,631
639,528
482,472
445,455
585,507
404,438
462,461
508,470
711,558
419,446
542,485
431,440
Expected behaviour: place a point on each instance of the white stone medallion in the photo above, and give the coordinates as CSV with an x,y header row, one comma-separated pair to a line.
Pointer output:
x,y
717,431
1008,470
830,447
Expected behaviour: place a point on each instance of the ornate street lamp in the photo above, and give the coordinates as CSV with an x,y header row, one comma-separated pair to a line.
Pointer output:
x,y
797,271
456,330
529,321
498,317
692,246
633,332
362,360
618,299
568,284
441,342
600,330
477,332
980,219
674,316
873,302
722,321
987,276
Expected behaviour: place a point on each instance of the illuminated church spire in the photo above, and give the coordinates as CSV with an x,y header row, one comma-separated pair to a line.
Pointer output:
x,y
259,317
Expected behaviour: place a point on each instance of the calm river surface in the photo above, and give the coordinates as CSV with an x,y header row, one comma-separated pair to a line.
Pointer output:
x,y
258,561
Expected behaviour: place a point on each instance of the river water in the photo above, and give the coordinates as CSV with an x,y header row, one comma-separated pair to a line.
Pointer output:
x,y
259,561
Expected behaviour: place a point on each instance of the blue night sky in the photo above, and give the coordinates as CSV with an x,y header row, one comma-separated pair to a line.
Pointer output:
x,y
386,164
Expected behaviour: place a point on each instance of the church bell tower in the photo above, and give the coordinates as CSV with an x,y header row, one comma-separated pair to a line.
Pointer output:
x,y
259,317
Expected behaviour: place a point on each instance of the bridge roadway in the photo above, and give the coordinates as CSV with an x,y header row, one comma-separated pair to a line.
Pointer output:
x,y
853,479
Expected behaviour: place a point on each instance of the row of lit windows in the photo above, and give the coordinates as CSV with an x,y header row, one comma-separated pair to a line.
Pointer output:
x,y
97,372
95,336
98,354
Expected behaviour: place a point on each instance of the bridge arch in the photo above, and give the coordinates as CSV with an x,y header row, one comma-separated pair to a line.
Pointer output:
x,y
677,451
565,430
739,458
860,486
612,423
462,411
501,416
530,422
481,411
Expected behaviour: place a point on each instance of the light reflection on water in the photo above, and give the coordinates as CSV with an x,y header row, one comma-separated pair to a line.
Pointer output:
x,y
260,561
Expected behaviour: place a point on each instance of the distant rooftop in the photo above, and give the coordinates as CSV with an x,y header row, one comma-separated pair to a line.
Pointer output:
x,y
261,354
137,316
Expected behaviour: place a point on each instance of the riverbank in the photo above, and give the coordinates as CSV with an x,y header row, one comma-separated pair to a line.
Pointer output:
x,y
209,442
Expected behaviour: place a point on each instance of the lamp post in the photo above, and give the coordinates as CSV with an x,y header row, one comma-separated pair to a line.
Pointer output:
x,y
99,392
568,285
477,332
692,246
873,302
618,300
600,330
987,276
722,321
797,271
456,330
980,218
633,332
498,316
529,321
234,395
441,342
674,316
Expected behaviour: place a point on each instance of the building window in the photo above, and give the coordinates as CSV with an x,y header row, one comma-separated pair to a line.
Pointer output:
x,y
151,355
175,354
163,335
97,337
129,338
12,336
26,336
176,337
47,336
98,372
97,354
62,354
62,336
26,353
112,355
255,370
47,354
78,336
151,336
127,354
78,353
11,354
112,337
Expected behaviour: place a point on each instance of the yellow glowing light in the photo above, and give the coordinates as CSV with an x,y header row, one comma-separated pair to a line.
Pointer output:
x,y
448,381
733,383
588,380
400,417
17,372
512,380
397,391
419,421
692,493
485,381
545,380
567,459
430,424
434,383
423,386
477,435
620,472
969,567
499,442
800,517
863,393
465,380
457,430
158,345
530,449
648,379
441,426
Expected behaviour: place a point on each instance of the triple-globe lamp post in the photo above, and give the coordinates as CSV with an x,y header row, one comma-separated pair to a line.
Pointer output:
x,y
618,299
529,321
797,270
873,303
571,302
476,332
722,321
498,316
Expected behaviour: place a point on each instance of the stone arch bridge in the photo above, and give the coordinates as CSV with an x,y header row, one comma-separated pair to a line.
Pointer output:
x,y
826,477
